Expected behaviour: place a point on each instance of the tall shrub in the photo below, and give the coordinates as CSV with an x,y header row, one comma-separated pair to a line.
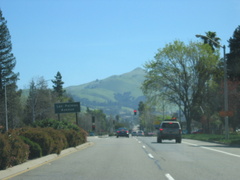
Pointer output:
x,y
5,150
60,141
19,150
35,149
39,136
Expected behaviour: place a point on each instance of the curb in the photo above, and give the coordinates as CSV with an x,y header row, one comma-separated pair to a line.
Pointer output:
x,y
40,161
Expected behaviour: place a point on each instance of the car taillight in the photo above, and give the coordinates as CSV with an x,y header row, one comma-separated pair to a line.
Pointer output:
x,y
126,131
180,131
161,129
118,131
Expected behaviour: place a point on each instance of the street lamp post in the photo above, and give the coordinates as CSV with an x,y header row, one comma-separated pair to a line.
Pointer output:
x,y
225,84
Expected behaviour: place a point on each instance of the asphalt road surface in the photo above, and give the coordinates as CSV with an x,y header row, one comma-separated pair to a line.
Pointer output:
x,y
141,158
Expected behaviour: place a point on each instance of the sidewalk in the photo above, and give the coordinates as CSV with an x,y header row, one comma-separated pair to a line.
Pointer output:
x,y
37,162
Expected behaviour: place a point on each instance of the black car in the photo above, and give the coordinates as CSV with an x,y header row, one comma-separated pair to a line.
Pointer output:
x,y
122,132
169,130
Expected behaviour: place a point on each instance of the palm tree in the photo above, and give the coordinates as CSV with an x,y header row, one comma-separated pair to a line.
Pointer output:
x,y
211,35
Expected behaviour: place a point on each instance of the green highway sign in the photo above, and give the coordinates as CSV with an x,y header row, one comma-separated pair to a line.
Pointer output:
x,y
67,107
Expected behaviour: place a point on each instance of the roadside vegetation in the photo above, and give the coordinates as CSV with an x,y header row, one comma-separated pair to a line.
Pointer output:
x,y
48,137
233,140
188,76
192,76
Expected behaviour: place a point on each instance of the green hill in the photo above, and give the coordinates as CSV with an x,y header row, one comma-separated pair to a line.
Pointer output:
x,y
118,94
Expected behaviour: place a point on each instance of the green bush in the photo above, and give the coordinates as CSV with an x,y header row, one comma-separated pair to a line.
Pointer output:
x,y
5,150
35,149
60,141
19,150
234,139
55,124
49,136
74,138
39,136
84,135
74,134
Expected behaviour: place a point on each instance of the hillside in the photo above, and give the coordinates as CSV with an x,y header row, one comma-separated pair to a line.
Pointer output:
x,y
118,94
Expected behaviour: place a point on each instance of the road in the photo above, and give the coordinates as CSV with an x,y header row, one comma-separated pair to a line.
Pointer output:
x,y
141,158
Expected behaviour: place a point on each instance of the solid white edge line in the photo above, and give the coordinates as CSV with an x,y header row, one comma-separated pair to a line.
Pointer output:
x,y
169,177
211,149
223,152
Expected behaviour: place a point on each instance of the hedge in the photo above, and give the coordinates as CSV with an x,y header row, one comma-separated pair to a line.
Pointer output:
x,y
39,136
13,150
19,145
35,148
5,150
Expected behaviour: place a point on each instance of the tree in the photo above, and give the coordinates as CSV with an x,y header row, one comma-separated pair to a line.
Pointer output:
x,y
100,120
39,105
212,87
141,108
147,118
8,78
179,73
233,73
233,57
58,85
211,35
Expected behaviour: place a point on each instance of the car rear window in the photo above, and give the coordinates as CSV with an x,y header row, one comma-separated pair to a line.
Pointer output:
x,y
170,125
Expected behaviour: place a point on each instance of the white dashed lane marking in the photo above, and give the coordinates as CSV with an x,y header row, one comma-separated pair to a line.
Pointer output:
x,y
168,176
151,156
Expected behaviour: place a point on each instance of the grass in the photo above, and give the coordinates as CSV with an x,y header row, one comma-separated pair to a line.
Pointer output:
x,y
234,139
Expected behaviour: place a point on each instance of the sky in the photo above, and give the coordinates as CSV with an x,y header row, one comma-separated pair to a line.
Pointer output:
x,y
87,40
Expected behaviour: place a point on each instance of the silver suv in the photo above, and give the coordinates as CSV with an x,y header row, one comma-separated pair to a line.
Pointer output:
x,y
169,130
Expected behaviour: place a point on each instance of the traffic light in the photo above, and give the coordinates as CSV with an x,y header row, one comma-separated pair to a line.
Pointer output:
x,y
135,112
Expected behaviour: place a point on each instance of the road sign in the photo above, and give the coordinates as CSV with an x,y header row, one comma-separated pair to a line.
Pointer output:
x,y
67,107
226,113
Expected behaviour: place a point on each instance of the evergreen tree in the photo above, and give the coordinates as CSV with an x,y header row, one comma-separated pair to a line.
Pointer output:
x,y
8,78
58,85
233,58
233,73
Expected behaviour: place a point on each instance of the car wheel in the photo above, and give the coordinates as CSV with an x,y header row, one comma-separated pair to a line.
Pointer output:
x,y
178,140
117,136
159,140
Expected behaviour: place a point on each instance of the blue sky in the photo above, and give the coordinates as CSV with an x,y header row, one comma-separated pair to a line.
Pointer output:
x,y
87,40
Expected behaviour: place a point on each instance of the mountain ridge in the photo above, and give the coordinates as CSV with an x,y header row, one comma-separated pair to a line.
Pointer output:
x,y
117,94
